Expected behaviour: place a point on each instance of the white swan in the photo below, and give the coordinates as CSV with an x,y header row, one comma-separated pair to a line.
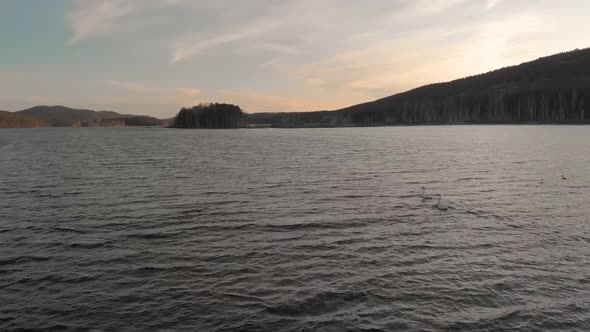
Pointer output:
x,y
441,205
424,195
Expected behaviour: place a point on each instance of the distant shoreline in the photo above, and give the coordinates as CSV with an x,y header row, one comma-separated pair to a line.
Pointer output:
x,y
330,127
398,125
436,124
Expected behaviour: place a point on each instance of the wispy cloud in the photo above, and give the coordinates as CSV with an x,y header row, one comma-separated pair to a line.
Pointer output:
x,y
285,28
492,3
191,47
409,61
103,18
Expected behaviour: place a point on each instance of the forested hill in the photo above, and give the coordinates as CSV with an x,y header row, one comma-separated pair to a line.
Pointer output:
x,y
553,89
61,116
12,120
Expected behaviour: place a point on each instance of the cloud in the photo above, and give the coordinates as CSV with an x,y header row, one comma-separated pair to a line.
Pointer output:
x,y
290,29
374,72
492,3
286,28
191,47
101,18
269,47
409,61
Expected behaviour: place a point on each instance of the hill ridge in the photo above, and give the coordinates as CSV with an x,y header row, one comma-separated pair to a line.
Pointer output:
x,y
63,116
550,89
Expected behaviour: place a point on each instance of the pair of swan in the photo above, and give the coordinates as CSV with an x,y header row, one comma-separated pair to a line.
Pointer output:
x,y
441,205
424,195
444,206
562,177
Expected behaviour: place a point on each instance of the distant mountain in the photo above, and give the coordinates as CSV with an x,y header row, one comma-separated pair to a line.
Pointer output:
x,y
61,116
12,120
553,89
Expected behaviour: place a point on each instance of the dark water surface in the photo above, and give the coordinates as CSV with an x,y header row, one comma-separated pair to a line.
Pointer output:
x,y
295,230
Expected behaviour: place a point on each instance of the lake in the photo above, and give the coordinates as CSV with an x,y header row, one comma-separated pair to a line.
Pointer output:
x,y
295,229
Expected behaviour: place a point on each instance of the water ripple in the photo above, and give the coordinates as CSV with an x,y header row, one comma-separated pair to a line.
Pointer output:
x,y
295,230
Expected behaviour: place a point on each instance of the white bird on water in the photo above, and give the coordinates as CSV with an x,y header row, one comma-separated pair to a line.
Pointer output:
x,y
424,195
563,178
441,205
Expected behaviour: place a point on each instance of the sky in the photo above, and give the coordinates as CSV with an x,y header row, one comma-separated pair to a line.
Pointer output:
x,y
155,56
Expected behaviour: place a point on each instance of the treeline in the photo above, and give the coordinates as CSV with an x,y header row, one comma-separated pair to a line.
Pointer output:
x,y
555,106
211,116
554,89
143,121
11,120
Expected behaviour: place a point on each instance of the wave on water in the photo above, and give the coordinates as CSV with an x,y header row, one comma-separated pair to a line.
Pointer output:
x,y
294,230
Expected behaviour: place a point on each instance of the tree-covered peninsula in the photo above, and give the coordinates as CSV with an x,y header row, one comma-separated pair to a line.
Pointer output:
x,y
210,116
